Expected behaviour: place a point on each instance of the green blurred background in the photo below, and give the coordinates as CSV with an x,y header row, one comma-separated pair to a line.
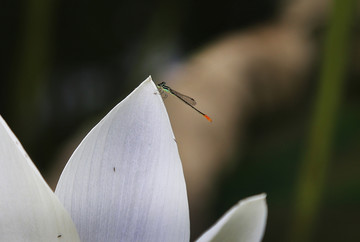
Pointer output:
x,y
66,63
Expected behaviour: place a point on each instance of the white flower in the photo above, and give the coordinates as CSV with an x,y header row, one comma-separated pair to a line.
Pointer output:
x,y
29,210
123,183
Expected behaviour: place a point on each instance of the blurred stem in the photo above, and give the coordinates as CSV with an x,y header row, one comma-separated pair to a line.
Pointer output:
x,y
33,61
312,174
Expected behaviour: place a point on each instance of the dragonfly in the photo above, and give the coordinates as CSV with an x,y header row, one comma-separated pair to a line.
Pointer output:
x,y
163,88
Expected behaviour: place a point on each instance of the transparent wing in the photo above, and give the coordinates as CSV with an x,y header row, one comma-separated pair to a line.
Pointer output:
x,y
187,99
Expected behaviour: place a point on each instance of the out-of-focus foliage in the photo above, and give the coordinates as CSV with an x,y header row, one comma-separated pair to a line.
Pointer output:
x,y
69,60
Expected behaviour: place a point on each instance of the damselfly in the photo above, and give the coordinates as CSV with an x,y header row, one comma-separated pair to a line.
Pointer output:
x,y
186,99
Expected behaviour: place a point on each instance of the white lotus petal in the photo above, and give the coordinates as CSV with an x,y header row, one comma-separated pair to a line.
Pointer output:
x,y
244,222
125,181
29,210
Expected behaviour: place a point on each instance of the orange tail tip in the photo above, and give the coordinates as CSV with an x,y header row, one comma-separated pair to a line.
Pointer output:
x,y
208,118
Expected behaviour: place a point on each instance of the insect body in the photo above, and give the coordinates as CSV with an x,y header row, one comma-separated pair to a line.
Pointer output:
x,y
163,88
